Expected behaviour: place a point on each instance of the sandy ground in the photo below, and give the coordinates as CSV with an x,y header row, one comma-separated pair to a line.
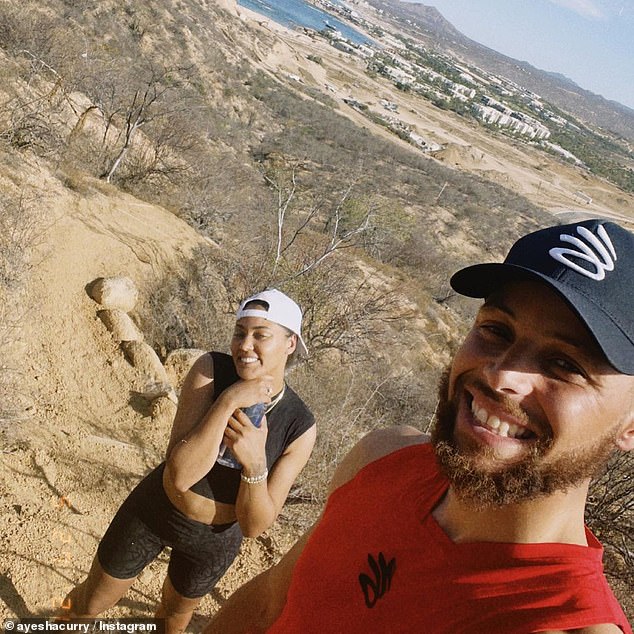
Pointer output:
x,y
85,441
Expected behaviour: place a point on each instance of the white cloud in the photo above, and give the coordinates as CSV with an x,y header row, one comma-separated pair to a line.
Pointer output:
x,y
585,8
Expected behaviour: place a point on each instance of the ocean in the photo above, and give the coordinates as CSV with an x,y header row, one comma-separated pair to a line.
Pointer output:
x,y
293,13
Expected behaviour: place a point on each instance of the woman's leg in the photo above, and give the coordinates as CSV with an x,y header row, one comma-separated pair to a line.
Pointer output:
x,y
194,569
176,609
96,594
125,549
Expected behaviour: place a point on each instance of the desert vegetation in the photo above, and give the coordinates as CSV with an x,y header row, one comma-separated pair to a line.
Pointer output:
x,y
21,229
154,100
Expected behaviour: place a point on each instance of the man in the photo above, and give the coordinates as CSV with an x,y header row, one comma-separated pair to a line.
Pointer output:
x,y
481,530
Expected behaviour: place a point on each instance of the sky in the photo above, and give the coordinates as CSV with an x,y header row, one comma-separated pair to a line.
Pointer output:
x,y
588,41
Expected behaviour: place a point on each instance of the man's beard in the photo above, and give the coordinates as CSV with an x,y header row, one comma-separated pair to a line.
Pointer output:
x,y
529,478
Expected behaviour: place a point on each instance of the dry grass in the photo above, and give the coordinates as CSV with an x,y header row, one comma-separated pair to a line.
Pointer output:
x,y
20,232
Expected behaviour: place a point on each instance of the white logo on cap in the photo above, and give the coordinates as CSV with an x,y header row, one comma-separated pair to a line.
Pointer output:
x,y
602,258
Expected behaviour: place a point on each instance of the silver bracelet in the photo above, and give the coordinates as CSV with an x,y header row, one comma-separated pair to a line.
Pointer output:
x,y
255,479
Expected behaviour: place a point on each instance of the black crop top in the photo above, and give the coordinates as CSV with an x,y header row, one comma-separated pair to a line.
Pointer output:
x,y
287,421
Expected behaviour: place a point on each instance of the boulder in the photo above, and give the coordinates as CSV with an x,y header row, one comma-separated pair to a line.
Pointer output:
x,y
151,390
163,411
115,293
146,361
120,324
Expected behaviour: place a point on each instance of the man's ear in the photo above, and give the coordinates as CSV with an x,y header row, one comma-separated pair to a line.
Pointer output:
x,y
625,441
625,438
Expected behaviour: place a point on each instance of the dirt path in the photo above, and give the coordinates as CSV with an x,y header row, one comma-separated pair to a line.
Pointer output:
x,y
67,466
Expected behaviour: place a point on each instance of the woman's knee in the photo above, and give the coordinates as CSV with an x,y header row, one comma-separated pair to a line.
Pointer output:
x,y
174,603
99,592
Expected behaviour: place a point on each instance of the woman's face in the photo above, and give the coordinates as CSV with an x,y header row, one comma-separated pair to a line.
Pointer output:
x,y
259,346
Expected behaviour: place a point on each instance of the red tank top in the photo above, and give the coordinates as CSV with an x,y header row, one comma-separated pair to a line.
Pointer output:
x,y
379,562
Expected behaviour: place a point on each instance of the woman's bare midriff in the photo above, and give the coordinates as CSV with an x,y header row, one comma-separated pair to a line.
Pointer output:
x,y
198,507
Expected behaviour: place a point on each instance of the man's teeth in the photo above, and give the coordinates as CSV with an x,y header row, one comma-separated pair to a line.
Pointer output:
x,y
248,360
500,427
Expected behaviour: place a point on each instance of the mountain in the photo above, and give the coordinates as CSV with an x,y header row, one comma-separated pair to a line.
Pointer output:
x,y
428,23
562,78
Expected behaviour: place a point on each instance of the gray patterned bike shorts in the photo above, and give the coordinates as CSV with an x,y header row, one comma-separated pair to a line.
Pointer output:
x,y
147,522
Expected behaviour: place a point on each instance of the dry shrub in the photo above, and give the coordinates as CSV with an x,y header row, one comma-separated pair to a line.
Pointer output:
x,y
409,398
610,515
20,227
340,395
186,308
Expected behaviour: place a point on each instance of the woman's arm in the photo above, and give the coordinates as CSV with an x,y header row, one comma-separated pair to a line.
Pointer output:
x,y
200,421
196,396
259,504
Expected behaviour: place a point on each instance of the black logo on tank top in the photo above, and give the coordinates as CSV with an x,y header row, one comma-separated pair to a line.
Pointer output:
x,y
375,586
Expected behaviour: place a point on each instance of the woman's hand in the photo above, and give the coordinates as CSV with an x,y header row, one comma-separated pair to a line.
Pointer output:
x,y
246,393
247,442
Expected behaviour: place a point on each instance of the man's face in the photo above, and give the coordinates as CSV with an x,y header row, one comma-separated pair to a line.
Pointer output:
x,y
530,406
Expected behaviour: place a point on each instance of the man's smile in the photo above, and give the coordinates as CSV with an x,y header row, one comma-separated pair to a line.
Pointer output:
x,y
497,424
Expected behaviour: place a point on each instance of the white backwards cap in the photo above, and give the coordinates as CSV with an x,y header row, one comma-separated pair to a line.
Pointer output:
x,y
280,309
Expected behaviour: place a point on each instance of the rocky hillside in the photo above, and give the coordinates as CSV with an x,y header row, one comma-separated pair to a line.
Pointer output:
x,y
202,152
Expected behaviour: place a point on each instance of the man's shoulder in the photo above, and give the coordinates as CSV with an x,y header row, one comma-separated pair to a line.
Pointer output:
x,y
605,628
373,446
381,442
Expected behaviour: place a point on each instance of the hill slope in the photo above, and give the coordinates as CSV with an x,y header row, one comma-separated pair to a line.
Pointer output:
x,y
192,217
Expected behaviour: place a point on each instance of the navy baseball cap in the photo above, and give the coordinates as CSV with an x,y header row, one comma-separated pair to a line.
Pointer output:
x,y
590,264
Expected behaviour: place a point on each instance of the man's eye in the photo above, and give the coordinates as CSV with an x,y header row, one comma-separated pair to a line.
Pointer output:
x,y
567,366
494,330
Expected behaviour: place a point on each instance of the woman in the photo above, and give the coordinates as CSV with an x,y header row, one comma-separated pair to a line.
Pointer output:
x,y
192,502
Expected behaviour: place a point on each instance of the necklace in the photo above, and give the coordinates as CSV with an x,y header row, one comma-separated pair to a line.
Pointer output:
x,y
275,400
